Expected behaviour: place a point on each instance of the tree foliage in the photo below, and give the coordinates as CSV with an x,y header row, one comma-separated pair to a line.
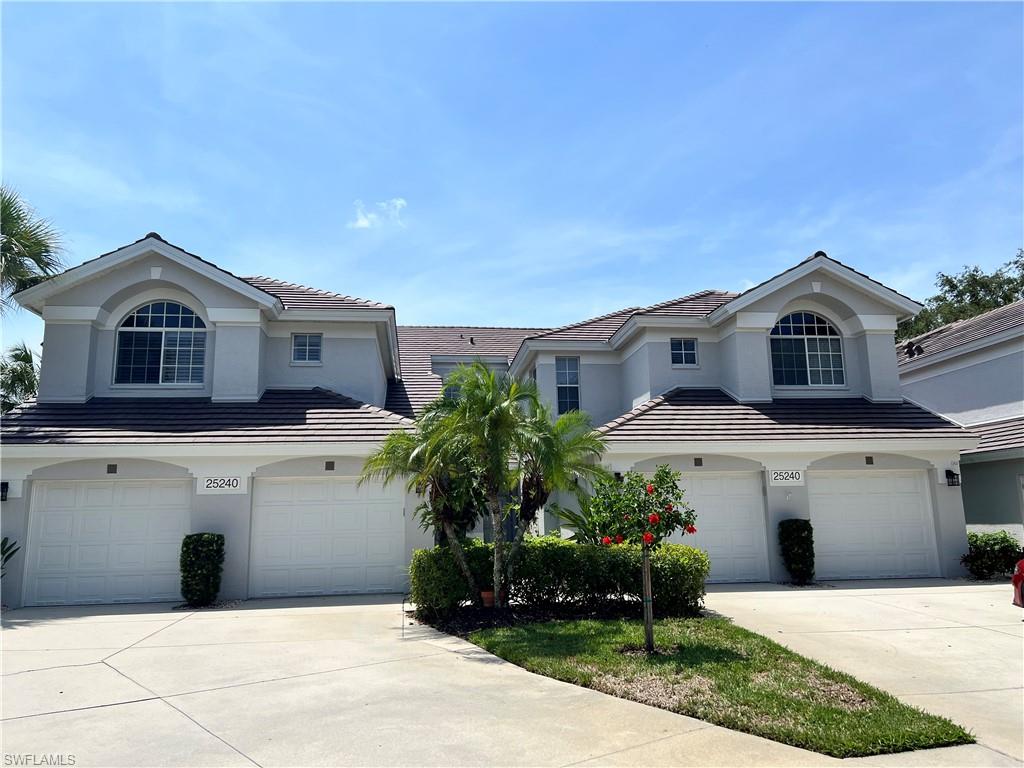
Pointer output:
x,y
19,377
966,294
30,247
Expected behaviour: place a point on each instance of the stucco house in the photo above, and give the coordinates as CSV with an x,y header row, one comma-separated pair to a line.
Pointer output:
x,y
972,372
176,397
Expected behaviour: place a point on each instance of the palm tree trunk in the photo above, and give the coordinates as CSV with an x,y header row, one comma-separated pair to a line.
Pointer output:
x,y
460,557
521,528
494,505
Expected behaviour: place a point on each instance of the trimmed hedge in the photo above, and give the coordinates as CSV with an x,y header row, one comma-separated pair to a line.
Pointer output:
x,y
202,560
992,555
553,572
796,541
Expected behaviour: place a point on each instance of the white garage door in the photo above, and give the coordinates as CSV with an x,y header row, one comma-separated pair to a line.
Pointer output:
x,y
326,536
730,523
109,541
871,525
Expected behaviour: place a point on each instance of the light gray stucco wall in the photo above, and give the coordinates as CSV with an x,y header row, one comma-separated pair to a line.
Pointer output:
x,y
986,391
350,366
750,366
236,363
65,365
14,525
635,372
664,376
992,493
600,391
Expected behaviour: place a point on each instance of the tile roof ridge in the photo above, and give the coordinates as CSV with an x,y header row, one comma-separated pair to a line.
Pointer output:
x,y
588,321
636,411
362,405
688,297
958,323
479,327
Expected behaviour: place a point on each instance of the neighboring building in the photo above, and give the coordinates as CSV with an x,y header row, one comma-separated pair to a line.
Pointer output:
x,y
177,397
972,372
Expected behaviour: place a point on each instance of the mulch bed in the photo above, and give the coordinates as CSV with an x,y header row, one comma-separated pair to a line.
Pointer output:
x,y
469,618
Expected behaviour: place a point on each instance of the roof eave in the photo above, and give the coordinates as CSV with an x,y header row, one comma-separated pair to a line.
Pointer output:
x,y
905,305
34,298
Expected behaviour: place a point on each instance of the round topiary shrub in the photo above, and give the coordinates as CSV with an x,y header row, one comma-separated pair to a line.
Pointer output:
x,y
202,560
796,540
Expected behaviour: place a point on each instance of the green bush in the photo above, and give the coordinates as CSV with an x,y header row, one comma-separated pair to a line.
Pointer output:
x,y
552,572
437,586
796,540
202,560
991,555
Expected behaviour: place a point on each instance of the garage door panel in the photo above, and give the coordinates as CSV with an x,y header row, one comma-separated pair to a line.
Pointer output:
x,y
730,523
872,525
337,533
53,557
112,544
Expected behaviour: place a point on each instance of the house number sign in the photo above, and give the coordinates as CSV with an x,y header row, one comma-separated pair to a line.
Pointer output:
x,y
220,484
785,477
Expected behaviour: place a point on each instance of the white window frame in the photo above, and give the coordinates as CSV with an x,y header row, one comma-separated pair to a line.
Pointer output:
x,y
683,351
808,353
576,386
115,384
305,363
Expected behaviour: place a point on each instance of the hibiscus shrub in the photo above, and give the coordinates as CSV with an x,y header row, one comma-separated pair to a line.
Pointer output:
x,y
639,509
553,573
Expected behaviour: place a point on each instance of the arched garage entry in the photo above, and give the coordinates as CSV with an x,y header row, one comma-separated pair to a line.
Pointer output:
x,y
105,532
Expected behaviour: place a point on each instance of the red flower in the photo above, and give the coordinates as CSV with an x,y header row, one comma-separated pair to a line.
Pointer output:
x,y
618,539
653,518
648,538
606,540
691,529
650,489
668,507
625,517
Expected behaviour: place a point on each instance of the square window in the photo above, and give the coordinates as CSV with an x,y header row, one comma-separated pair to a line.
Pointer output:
x,y
307,347
683,351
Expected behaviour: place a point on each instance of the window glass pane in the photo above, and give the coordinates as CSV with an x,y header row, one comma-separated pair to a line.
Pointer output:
x,y
677,345
816,360
138,357
689,345
677,358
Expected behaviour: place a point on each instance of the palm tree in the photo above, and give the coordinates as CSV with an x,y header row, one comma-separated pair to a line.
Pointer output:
x,y
450,483
486,420
19,377
556,455
30,247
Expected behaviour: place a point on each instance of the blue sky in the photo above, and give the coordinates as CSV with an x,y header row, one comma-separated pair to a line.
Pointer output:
x,y
526,164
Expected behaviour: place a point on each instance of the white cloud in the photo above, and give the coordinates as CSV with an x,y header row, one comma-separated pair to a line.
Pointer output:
x,y
386,213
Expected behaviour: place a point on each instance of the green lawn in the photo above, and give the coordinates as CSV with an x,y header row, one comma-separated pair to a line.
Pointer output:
x,y
718,672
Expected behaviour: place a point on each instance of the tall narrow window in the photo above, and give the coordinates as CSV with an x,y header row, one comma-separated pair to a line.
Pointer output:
x,y
307,347
807,351
684,351
567,379
160,343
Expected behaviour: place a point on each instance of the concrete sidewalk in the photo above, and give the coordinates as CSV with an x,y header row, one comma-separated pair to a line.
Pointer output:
x,y
325,681
951,647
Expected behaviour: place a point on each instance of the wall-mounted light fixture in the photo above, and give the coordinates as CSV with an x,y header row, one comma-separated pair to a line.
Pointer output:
x,y
952,478
328,466
3,490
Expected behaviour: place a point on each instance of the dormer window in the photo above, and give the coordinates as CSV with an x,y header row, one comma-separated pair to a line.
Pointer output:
x,y
806,351
160,343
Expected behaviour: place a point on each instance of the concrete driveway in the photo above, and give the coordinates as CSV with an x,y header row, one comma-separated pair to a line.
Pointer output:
x,y
954,648
324,681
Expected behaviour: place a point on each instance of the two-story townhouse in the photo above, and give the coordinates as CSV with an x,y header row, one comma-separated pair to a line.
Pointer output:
x,y
178,397
783,401
972,372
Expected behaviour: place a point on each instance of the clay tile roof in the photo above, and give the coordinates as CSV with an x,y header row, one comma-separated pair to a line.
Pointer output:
x,y
712,415
695,305
295,296
280,416
418,343
962,332
999,435
599,328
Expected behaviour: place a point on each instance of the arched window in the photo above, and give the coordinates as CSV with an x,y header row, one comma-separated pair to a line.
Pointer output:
x,y
160,343
806,351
